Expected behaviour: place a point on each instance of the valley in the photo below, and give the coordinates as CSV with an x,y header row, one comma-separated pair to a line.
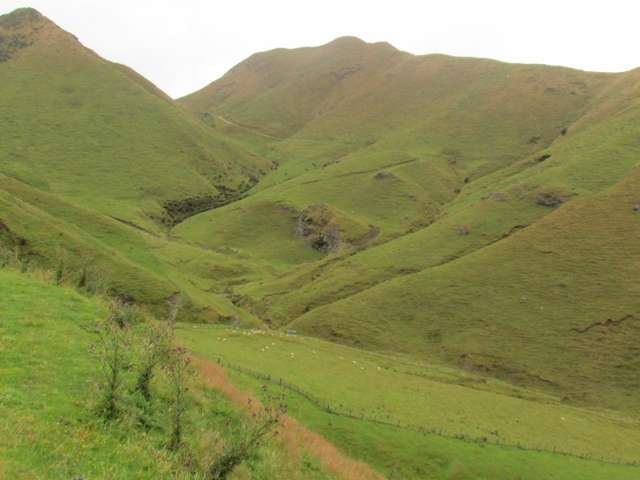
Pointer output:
x,y
434,260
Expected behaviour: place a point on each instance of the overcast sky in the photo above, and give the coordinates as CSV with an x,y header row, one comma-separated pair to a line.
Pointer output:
x,y
182,45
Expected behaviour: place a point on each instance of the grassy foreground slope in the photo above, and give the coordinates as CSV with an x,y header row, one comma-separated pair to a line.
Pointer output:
x,y
47,393
46,380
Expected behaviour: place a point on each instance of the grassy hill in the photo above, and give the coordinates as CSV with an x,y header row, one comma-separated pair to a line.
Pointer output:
x,y
48,395
499,197
466,225
389,138
96,133
96,164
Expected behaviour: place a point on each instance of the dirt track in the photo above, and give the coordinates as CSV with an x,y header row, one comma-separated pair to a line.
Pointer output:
x,y
296,438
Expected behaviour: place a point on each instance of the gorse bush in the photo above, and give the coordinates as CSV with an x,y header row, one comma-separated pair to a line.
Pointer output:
x,y
112,351
6,256
141,354
131,351
59,272
61,266
177,366
124,314
246,440
154,345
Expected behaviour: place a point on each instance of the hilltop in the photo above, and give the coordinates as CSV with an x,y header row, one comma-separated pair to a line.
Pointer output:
x,y
131,145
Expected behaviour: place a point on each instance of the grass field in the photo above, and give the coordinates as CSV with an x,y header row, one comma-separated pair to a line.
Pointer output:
x,y
485,428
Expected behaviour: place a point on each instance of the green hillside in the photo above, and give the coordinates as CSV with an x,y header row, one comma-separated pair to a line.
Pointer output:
x,y
94,132
455,241
417,420
96,164
494,198
48,391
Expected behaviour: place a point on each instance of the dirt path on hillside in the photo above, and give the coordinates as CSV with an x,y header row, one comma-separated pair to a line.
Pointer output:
x,y
294,436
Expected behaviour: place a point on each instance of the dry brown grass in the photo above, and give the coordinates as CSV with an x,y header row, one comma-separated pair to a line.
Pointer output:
x,y
295,437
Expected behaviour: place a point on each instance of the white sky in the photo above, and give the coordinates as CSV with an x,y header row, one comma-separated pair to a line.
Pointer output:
x,y
182,45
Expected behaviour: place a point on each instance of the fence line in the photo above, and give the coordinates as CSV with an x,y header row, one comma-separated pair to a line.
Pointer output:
x,y
341,411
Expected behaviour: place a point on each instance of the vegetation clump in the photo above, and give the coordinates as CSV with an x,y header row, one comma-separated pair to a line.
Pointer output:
x,y
112,348
248,438
549,199
178,368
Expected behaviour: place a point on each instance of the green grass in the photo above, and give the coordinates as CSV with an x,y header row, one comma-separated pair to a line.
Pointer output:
x,y
90,153
47,392
98,134
47,381
429,169
466,260
456,403
563,275
146,266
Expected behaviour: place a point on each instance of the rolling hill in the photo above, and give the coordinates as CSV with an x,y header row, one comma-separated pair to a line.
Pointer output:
x,y
100,135
465,229
498,200
97,164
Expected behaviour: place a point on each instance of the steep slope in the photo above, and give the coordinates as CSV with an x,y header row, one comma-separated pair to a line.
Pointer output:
x,y
97,133
49,371
562,294
96,164
118,258
387,138
501,197
590,158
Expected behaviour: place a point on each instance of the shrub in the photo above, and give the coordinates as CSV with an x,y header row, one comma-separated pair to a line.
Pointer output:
x,y
92,279
177,365
6,256
111,348
245,442
154,347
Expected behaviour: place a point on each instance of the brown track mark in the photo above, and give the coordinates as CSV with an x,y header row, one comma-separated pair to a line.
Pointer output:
x,y
294,436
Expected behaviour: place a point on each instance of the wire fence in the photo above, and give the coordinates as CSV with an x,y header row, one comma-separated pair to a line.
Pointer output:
x,y
340,410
